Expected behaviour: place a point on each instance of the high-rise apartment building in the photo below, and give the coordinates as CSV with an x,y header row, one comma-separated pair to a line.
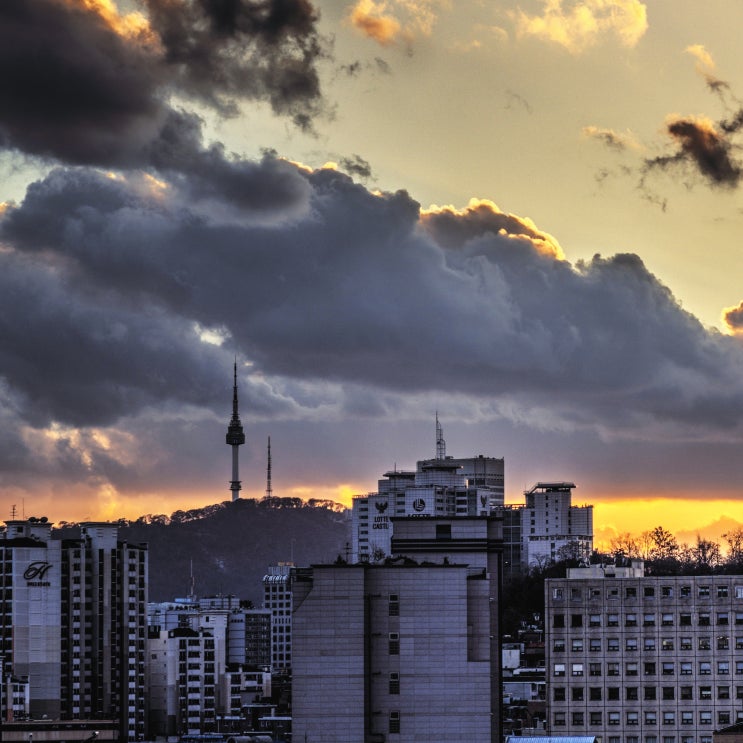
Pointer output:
x,y
403,651
278,598
643,659
72,614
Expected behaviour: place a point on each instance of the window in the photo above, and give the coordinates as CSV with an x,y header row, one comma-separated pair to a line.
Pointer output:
x,y
739,667
630,669
723,667
559,719
704,643
739,692
630,644
594,644
685,591
723,718
631,592
705,718
722,592
443,531
394,685
723,643
612,643
594,620
666,643
577,694
703,592
648,620
668,693
558,646
668,669
705,692
687,718
686,692
612,620
723,692
666,591
595,593
685,669
577,669
649,693
633,718
649,643
739,592
612,669
649,669
613,718
559,669
630,620
739,643
394,722
669,718
394,605
558,693
594,693
576,620
669,739
685,619
631,693
666,620
576,646
651,717
578,719
648,591
612,693
558,621
704,619
705,668
723,618
394,643
685,643
595,719
594,669
576,594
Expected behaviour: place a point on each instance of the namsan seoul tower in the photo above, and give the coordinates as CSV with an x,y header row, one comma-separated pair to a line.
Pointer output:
x,y
235,437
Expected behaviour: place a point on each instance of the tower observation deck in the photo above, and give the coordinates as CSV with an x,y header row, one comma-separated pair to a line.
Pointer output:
x,y
235,438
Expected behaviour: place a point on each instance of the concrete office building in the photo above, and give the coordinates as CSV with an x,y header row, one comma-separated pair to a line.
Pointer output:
x,y
278,588
403,651
72,616
643,659
442,486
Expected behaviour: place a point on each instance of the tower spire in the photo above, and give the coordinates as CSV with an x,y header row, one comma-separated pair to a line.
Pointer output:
x,y
269,489
440,443
235,438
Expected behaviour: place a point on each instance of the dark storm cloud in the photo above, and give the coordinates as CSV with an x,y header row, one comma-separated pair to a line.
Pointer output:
x,y
361,290
91,87
355,165
706,149
223,50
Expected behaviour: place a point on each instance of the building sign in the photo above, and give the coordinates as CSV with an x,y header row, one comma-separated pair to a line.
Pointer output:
x,y
419,504
381,520
36,572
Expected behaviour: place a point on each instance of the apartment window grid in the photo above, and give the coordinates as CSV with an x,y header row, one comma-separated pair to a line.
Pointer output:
x,y
657,640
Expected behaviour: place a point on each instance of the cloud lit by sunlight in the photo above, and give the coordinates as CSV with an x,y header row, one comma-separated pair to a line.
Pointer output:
x,y
577,26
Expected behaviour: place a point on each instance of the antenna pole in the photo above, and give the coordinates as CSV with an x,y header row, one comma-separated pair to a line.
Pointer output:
x,y
269,489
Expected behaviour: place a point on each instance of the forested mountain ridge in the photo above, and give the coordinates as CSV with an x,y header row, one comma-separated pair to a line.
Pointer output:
x,y
230,545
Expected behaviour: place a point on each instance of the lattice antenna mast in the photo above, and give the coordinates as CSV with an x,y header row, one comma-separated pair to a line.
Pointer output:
x,y
235,438
440,443
269,489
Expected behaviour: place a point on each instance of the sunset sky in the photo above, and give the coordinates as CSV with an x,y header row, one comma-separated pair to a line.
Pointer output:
x,y
526,216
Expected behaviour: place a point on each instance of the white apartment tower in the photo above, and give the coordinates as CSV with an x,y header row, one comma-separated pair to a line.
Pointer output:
x,y
278,587
72,614
643,659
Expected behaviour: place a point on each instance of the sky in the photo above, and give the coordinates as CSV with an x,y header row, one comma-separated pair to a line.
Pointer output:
x,y
523,216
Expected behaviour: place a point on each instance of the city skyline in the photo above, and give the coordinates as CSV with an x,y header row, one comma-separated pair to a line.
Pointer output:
x,y
524,216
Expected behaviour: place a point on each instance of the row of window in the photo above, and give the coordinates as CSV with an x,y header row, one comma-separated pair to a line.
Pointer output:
x,y
631,668
649,693
576,593
649,717
647,619
654,739
594,644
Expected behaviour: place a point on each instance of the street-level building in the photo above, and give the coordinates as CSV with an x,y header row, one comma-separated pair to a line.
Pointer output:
x,y
643,659
406,650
